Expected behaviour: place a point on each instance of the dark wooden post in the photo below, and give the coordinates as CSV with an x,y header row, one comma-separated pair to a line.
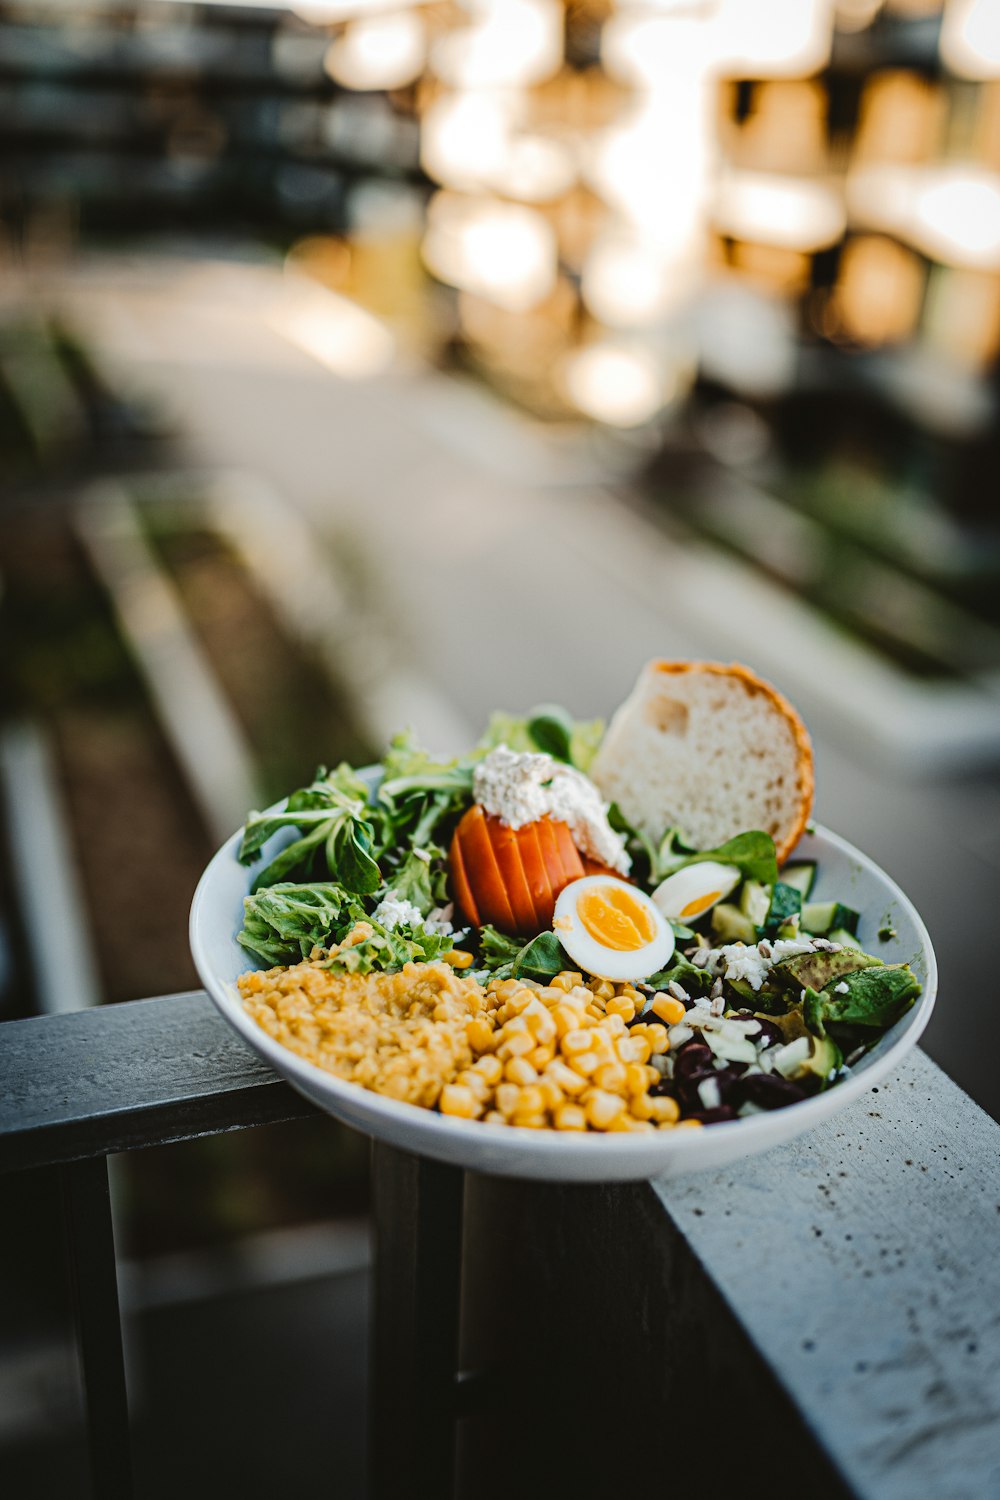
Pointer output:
x,y
417,1206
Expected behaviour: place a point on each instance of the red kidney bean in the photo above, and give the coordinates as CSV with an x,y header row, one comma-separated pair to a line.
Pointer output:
x,y
769,1090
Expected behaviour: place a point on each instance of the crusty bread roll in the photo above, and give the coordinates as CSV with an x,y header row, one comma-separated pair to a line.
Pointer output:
x,y
709,749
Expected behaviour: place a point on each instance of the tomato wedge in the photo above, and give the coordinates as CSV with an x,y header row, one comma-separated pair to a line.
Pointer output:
x,y
507,843
483,872
510,877
536,874
463,891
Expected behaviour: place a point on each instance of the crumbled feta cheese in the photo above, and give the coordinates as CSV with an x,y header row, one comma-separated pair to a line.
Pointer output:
x,y
842,988
393,911
789,947
440,919
744,963
521,788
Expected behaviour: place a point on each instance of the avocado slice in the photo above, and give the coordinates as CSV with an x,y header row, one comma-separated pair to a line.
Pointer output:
x,y
875,996
822,1058
814,971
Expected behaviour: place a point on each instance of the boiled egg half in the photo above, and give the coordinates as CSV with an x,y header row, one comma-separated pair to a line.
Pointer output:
x,y
687,894
611,929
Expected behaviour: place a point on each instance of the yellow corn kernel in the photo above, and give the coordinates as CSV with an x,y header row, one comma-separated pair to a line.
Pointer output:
x,y
504,988
520,1001
619,1005
637,1078
664,1110
567,980
656,1036
519,1070
541,1057
667,1008
603,1044
564,1078
469,1079
600,1001
552,1094
542,1027
612,1076
629,992
613,1025
640,1106
633,1048
603,988
601,1108
456,1100
623,1122
494,1117
518,1045
689,1124
528,1120
530,1101
565,1017
457,958
507,1095
640,1127
480,1035
585,1063
490,1067
594,1011
570,1117
576,1041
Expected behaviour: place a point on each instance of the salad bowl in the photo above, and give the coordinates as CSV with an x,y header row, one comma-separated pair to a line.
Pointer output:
x,y
842,872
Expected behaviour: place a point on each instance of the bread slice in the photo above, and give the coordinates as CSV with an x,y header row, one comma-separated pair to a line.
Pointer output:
x,y
710,749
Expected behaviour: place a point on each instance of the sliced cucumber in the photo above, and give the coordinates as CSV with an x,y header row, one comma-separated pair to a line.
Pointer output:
x,y
786,904
730,925
821,917
844,938
802,875
755,901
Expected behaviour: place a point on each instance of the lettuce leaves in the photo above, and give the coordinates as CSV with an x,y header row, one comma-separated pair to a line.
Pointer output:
x,y
284,923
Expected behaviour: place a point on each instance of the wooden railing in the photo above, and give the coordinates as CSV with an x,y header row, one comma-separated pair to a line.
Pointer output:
x,y
821,1320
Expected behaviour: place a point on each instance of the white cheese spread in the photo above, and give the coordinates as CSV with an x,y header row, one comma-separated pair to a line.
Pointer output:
x,y
521,788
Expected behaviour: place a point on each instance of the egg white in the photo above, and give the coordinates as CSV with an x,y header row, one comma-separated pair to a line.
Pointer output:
x,y
592,956
692,884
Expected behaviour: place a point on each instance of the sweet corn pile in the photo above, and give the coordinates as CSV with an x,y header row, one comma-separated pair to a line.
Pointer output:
x,y
560,1055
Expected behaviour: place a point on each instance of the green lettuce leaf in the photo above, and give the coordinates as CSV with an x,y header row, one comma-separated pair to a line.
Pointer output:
x,y
283,923
752,853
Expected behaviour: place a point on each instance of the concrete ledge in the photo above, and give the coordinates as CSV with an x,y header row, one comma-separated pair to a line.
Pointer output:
x,y
823,1319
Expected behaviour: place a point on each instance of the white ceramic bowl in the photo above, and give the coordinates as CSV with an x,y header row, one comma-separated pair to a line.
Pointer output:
x,y
843,872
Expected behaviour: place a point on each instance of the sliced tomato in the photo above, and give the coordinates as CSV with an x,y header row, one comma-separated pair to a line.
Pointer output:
x,y
483,872
536,874
568,853
507,846
460,880
511,877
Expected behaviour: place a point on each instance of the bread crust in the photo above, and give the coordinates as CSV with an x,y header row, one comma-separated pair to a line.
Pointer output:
x,y
754,684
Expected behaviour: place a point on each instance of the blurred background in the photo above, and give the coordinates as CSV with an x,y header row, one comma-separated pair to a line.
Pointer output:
x,y
366,363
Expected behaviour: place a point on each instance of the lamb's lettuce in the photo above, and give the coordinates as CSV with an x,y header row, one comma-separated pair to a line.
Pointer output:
x,y
549,730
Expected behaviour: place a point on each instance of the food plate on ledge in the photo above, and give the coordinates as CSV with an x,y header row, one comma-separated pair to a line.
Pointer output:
x,y
829,874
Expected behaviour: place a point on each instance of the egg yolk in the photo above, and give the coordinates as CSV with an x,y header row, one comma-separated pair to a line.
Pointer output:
x,y
615,919
699,904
